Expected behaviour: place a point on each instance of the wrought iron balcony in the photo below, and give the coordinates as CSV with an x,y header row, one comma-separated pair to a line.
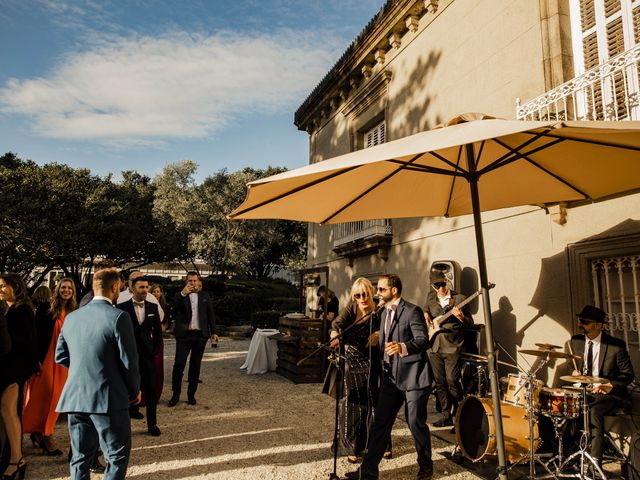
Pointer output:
x,y
608,91
358,238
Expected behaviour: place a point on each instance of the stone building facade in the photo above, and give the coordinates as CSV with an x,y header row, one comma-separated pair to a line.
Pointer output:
x,y
418,64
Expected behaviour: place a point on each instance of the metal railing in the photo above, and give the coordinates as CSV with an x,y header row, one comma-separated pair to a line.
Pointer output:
x,y
344,233
608,91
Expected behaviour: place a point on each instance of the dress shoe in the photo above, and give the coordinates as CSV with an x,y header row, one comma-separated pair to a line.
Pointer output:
x,y
154,431
191,400
174,400
444,422
97,467
425,474
137,414
356,475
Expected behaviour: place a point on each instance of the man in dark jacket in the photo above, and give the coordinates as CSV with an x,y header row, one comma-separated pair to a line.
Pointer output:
x,y
601,356
145,319
446,343
194,324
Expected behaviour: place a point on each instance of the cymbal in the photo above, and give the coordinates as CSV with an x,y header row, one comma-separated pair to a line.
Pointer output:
x,y
547,346
483,359
586,379
549,353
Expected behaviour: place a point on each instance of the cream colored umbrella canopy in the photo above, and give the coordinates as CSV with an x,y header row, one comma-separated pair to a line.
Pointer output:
x,y
475,163
428,174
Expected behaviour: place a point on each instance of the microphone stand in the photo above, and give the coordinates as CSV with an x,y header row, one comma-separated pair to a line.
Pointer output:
x,y
335,359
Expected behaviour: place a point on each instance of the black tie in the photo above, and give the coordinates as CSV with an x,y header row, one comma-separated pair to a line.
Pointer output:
x,y
589,358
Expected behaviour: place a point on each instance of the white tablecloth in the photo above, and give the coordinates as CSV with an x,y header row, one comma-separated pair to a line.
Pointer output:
x,y
263,352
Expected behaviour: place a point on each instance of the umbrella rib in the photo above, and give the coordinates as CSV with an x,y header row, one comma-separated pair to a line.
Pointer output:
x,y
296,190
547,171
453,184
426,169
514,154
593,142
404,166
451,164
507,157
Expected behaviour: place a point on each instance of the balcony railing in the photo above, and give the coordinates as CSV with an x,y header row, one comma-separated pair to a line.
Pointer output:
x,y
608,91
358,238
353,231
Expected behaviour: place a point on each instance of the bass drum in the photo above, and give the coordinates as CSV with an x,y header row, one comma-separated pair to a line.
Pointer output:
x,y
475,429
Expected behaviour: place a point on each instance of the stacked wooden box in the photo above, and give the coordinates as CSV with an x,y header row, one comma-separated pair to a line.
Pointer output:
x,y
302,336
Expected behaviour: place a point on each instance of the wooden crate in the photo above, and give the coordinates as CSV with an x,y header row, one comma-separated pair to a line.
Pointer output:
x,y
302,337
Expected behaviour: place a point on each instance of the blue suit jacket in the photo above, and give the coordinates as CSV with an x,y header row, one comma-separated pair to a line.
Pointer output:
x,y
409,327
98,347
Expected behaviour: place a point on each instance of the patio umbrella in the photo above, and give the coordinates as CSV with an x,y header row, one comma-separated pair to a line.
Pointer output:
x,y
474,163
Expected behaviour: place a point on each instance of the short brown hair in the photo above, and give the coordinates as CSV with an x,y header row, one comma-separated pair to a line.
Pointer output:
x,y
104,279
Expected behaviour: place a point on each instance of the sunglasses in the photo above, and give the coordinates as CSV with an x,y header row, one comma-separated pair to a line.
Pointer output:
x,y
440,284
363,295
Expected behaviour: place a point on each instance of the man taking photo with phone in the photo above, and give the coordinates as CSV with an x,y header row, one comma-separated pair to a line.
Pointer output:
x,y
194,325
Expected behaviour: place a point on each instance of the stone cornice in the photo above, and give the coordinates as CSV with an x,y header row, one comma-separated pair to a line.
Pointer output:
x,y
367,95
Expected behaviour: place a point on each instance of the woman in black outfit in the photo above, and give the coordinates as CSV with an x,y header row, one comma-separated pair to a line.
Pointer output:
x,y
359,325
18,365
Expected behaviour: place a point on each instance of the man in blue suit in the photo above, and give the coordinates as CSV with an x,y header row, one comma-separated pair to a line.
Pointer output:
x,y
405,380
98,346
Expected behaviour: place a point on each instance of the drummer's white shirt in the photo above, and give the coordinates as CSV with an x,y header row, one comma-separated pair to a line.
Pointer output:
x,y
595,352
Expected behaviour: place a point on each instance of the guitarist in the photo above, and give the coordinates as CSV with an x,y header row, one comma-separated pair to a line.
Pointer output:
x,y
447,343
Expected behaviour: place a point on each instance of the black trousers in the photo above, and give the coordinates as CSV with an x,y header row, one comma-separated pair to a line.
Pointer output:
x,y
447,372
192,343
634,448
600,405
148,387
389,403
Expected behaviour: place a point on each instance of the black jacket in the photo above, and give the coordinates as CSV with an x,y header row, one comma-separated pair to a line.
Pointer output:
x,y
182,315
149,333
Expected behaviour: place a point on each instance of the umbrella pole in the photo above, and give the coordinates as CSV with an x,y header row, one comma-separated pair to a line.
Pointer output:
x,y
484,283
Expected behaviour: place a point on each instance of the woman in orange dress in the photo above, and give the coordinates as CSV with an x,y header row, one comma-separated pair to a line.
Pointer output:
x,y
44,388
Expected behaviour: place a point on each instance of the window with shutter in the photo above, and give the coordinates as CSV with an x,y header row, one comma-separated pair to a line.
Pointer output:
x,y
607,29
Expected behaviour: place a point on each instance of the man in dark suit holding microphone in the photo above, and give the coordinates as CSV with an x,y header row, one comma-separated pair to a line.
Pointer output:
x,y
98,347
405,379
194,324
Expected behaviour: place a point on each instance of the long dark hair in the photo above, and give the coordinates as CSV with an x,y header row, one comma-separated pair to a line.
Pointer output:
x,y
19,288
56,306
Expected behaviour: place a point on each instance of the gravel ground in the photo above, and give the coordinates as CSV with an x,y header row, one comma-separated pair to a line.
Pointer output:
x,y
244,427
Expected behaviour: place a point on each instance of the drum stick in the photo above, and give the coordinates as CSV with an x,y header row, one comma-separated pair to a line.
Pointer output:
x,y
573,358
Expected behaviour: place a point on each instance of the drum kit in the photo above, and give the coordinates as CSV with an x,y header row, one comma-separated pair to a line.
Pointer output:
x,y
525,401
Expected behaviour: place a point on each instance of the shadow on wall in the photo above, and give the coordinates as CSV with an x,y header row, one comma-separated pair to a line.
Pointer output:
x,y
412,102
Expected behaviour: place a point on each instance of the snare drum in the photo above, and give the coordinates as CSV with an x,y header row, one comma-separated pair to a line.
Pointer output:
x,y
560,402
476,435
517,390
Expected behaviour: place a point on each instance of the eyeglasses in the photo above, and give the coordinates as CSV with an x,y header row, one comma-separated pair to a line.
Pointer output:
x,y
440,284
382,289
363,295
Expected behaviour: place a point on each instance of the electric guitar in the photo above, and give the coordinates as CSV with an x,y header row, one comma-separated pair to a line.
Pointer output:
x,y
435,326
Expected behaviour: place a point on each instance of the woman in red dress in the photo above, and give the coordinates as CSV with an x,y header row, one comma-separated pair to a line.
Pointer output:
x,y
44,388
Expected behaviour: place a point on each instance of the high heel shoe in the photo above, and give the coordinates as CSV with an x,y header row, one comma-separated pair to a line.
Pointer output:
x,y
19,472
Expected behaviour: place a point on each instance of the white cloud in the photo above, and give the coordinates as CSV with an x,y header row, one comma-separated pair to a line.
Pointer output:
x,y
145,89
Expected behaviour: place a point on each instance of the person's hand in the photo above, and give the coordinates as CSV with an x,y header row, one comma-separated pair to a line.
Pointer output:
x,y
604,388
187,290
138,398
575,373
374,338
335,343
214,340
458,313
392,348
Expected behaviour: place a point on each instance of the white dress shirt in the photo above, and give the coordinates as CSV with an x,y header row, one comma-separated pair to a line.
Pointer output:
x,y
127,295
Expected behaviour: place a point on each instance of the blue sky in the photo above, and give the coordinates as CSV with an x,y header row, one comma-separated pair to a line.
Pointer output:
x,y
136,84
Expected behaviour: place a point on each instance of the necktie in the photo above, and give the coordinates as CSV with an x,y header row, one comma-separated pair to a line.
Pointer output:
x,y
589,367
387,328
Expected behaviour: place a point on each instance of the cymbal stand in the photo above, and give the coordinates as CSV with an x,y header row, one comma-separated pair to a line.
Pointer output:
x,y
559,424
585,443
532,457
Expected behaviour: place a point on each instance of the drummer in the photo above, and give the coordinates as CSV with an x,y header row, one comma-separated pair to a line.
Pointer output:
x,y
604,356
